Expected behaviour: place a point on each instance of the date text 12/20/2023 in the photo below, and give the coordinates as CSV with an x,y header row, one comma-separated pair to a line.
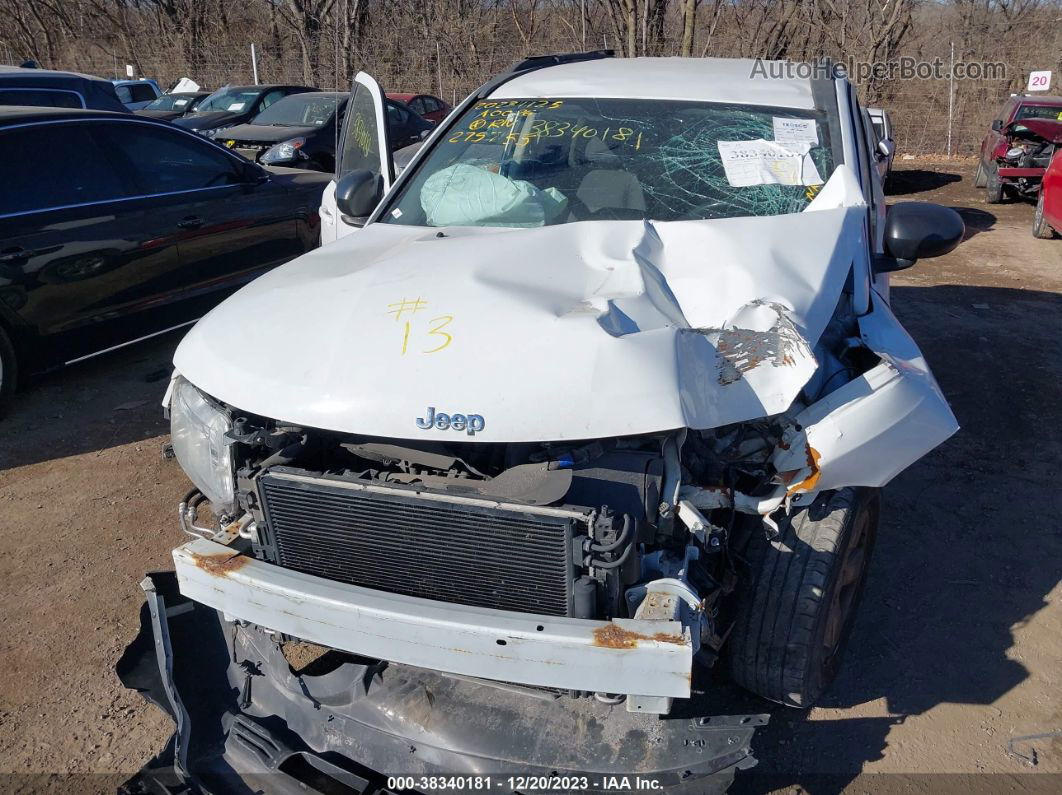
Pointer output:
x,y
486,783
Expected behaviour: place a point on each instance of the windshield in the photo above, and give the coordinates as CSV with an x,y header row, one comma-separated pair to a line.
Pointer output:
x,y
1053,112
301,110
233,101
169,102
535,162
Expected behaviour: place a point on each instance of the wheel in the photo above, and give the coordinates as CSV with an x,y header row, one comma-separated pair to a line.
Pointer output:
x,y
993,186
1041,228
979,178
8,372
793,621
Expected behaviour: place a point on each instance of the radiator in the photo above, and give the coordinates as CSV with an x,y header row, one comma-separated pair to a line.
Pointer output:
x,y
456,550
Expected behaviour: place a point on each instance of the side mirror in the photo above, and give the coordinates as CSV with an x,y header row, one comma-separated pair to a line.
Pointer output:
x,y
997,125
886,148
251,174
358,193
915,230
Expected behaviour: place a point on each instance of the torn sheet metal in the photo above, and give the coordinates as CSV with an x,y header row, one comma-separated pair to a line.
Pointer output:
x,y
629,656
595,329
875,426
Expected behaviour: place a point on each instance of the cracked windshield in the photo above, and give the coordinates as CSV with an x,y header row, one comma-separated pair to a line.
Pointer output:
x,y
534,162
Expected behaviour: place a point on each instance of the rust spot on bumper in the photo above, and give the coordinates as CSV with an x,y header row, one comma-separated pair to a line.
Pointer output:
x,y
220,565
613,637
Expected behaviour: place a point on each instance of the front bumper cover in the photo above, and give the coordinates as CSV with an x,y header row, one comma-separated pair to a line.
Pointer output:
x,y
247,722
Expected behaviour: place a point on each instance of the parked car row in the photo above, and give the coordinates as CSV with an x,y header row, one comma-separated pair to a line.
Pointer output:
x,y
1020,158
267,124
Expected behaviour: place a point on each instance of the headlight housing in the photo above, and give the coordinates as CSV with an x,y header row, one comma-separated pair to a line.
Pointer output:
x,y
284,152
197,431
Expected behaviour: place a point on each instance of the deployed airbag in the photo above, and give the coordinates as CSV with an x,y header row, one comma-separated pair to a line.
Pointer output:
x,y
466,195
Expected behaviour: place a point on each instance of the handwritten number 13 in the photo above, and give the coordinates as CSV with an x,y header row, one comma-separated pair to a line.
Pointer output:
x,y
436,330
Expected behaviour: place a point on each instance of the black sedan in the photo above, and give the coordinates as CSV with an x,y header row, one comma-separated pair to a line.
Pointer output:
x,y
234,105
129,228
173,106
298,131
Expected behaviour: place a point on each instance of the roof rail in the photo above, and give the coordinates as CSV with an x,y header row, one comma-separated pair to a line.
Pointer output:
x,y
539,61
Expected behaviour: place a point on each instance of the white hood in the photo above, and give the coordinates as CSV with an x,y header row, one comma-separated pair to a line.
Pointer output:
x,y
580,330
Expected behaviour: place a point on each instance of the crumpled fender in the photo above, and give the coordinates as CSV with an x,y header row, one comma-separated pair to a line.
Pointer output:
x,y
875,426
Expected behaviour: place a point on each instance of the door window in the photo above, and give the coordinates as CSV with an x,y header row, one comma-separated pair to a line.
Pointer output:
x,y
361,142
76,170
142,93
41,97
271,97
164,161
418,105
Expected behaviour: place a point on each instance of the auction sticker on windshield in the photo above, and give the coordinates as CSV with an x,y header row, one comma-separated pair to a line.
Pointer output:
x,y
763,162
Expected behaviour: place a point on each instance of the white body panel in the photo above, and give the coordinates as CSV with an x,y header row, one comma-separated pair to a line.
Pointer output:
x,y
630,656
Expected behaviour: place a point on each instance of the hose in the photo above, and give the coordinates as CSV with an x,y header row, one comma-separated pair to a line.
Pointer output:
x,y
285,455
616,562
621,539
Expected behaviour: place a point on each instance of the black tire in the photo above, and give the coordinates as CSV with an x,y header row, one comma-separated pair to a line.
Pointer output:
x,y
1041,228
979,177
993,186
8,372
792,623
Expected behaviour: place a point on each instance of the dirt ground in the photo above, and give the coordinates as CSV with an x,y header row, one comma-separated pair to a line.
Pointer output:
x,y
956,653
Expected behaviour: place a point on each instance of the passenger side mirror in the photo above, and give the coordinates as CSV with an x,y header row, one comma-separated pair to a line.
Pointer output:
x,y
997,125
886,148
358,193
915,230
251,174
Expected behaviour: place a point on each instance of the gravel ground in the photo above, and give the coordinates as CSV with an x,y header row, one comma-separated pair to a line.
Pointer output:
x,y
956,651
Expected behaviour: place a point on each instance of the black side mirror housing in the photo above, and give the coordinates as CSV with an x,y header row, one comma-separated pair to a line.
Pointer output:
x,y
916,230
997,125
358,193
252,174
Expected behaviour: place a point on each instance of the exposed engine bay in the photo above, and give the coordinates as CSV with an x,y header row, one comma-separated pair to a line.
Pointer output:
x,y
1030,144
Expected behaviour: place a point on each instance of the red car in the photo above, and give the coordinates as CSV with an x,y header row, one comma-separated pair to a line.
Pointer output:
x,y
426,106
1048,217
1016,151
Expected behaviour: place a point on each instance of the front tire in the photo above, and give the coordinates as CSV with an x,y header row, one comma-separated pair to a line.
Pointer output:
x,y
793,621
8,372
1041,228
993,186
979,178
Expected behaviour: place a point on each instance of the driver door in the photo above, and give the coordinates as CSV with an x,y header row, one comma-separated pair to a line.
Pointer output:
x,y
364,143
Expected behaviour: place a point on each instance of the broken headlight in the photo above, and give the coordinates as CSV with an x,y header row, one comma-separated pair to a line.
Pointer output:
x,y
197,429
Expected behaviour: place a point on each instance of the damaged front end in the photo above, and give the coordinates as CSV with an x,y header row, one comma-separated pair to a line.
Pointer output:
x,y
387,588
1025,151
366,607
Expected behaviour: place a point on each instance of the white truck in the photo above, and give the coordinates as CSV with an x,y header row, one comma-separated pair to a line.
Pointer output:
x,y
602,388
